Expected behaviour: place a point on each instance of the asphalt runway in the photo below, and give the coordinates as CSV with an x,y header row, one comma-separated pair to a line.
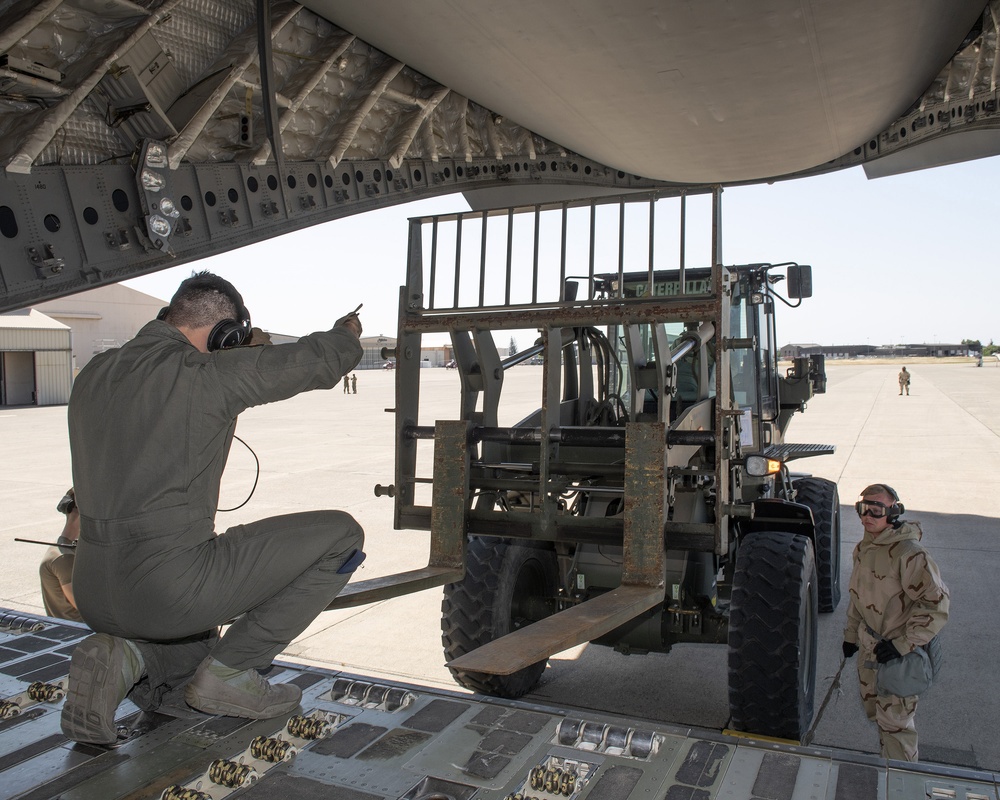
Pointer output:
x,y
939,448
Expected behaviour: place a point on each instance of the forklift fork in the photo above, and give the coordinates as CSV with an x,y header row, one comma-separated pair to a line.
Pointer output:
x,y
449,522
642,586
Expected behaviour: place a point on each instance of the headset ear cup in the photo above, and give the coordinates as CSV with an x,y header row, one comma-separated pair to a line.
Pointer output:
x,y
897,509
227,333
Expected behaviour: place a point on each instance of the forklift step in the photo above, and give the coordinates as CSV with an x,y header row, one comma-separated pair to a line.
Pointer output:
x,y
577,625
788,451
375,590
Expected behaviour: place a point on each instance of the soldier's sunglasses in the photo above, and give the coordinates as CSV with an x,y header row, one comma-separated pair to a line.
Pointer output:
x,y
871,508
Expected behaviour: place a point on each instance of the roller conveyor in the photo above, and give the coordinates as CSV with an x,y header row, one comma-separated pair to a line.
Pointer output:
x,y
355,738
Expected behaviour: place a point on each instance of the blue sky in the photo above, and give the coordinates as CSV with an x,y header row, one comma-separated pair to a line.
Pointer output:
x,y
906,258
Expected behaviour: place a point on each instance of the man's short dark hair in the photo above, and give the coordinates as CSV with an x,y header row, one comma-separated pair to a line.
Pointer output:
x,y
204,299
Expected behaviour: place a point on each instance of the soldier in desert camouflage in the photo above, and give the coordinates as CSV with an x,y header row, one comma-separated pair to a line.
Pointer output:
x,y
904,380
897,602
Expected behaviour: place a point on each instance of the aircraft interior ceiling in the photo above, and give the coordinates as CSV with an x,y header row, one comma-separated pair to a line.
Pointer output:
x,y
275,116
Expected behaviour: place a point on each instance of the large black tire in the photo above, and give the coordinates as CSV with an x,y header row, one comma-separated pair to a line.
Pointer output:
x,y
772,636
823,499
507,585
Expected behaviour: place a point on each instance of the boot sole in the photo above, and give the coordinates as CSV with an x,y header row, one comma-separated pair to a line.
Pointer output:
x,y
92,699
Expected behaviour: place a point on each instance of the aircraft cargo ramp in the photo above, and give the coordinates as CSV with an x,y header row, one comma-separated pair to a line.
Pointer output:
x,y
355,739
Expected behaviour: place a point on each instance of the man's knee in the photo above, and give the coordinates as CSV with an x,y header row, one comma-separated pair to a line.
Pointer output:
x,y
339,533
343,528
346,543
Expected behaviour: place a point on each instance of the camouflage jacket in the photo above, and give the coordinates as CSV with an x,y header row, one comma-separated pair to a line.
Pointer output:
x,y
896,590
904,378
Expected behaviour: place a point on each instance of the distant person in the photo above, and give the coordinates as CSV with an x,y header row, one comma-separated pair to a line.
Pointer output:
x,y
150,427
904,381
897,602
56,569
354,383
347,384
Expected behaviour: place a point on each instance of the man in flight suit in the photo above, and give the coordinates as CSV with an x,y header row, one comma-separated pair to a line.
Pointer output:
x,y
150,425
897,602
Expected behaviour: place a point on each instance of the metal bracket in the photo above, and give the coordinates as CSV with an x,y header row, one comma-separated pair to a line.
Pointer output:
x,y
45,261
117,239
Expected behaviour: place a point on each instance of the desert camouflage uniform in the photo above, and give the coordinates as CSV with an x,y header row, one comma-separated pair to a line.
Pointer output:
x,y
896,593
56,571
904,380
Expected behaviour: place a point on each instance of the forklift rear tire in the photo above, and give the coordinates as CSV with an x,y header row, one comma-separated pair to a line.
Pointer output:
x,y
823,499
772,636
507,585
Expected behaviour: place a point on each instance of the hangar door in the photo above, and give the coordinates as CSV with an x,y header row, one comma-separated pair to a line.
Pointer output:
x,y
17,379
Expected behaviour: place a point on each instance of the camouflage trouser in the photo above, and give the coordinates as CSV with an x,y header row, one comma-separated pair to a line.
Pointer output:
x,y
893,715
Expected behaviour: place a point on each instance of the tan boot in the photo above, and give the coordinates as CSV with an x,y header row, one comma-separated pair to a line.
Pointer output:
x,y
101,672
217,689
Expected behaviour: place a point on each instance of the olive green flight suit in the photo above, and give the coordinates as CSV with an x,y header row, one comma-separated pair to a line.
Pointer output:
x,y
896,593
150,425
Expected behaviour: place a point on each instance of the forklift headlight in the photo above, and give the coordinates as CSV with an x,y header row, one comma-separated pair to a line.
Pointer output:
x,y
760,467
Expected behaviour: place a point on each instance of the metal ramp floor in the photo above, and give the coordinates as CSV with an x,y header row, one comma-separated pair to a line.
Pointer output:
x,y
356,739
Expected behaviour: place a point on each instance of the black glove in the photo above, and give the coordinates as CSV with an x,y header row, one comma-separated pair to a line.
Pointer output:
x,y
885,651
850,648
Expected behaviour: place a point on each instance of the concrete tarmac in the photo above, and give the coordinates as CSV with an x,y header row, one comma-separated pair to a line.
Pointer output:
x,y
939,448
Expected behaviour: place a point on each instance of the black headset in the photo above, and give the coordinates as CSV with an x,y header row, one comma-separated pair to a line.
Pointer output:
x,y
893,512
229,332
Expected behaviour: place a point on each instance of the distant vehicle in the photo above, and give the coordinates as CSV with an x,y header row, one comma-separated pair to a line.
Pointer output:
x,y
451,364
389,365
